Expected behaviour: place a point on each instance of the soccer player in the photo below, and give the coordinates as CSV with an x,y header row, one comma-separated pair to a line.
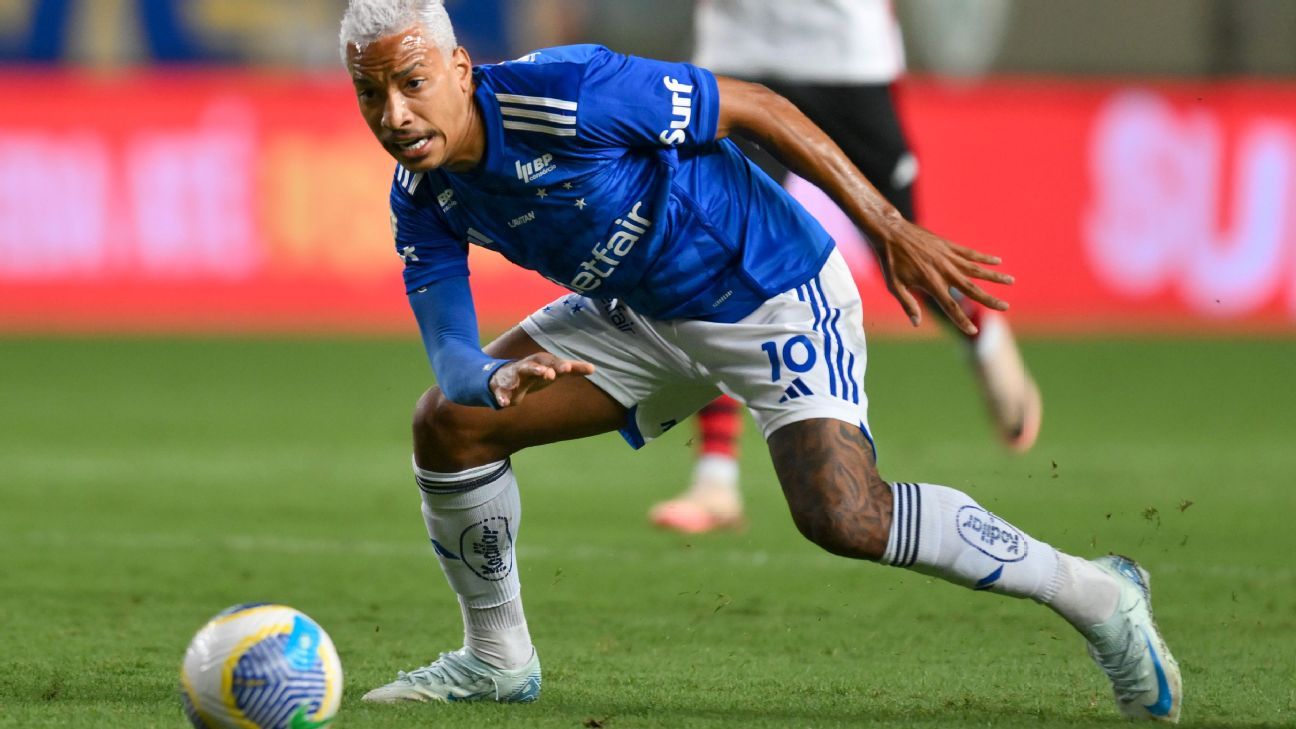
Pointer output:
x,y
836,60
690,274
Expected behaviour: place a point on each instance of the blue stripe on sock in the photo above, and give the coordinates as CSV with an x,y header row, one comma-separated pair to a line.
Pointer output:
x,y
458,487
918,523
901,514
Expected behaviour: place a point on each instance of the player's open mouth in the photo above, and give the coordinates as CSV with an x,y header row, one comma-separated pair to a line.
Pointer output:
x,y
414,145
411,149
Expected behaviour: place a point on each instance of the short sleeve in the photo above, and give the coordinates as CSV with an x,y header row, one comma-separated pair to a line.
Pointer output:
x,y
431,251
629,101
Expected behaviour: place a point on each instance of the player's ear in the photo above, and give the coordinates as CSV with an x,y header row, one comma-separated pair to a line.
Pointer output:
x,y
461,63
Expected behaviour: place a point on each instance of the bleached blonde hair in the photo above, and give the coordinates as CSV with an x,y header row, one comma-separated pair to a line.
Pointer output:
x,y
365,21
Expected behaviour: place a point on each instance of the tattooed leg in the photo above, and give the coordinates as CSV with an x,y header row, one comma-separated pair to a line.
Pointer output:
x,y
840,503
837,498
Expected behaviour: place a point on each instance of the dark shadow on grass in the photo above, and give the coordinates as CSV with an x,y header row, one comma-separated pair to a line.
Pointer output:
x,y
967,711
770,713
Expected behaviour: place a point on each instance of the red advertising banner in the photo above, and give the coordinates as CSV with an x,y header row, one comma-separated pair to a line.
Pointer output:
x,y
192,201
229,201
1145,206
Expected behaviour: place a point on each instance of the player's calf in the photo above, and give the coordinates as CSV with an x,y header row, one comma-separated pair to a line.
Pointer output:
x,y
837,499
840,502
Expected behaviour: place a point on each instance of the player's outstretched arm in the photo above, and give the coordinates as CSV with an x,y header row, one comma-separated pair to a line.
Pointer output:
x,y
512,382
447,321
911,256
466,374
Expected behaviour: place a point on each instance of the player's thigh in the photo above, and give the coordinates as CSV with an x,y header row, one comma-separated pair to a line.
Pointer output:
x,y
571,407
448,436
656,383
798,363
800,356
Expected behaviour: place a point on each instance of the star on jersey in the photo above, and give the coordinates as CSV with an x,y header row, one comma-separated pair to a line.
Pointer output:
x,y
567,186
541,193
580,203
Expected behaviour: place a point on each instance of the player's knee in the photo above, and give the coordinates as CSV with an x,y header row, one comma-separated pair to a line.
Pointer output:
x,y
433,419
445,436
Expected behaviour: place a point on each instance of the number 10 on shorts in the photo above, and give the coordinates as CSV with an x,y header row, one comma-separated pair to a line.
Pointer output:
x,y
798,355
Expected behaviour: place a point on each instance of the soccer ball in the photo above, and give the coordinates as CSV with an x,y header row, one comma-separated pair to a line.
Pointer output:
x,y
261,666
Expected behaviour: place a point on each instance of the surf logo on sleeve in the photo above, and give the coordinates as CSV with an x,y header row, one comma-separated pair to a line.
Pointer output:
x,y
681,110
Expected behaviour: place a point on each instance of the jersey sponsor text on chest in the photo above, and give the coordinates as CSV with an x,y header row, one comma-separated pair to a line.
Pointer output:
x,y
607,256
536,168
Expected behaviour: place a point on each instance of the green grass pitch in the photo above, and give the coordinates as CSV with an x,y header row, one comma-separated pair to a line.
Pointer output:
x,y
145,485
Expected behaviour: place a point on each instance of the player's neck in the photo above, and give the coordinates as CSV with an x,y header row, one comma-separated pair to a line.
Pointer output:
x,y
473,148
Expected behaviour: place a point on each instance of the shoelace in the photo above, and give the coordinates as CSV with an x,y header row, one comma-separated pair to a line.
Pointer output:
x,y
447,669
1121,666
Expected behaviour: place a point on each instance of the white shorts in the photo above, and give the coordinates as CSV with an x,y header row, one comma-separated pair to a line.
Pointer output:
x,y
801,355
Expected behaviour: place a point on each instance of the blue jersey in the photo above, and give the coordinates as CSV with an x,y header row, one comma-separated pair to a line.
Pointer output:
x,y
603,173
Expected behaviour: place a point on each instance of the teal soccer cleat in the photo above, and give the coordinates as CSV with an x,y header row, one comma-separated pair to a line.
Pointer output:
x,y
461,676
1130,650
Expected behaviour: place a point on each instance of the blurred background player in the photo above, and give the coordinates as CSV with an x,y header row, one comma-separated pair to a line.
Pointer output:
x,y
837,60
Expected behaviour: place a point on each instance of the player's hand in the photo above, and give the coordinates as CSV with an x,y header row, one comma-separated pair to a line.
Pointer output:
x,y
915,258
511,383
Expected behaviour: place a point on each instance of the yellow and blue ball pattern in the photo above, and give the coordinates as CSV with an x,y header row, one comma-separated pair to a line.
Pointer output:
x,y
261,666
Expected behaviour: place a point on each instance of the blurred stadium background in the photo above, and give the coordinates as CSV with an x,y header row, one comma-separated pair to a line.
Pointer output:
x,y
206,365
197,165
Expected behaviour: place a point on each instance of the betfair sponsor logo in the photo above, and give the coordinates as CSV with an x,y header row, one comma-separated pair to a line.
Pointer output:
x,y
606,256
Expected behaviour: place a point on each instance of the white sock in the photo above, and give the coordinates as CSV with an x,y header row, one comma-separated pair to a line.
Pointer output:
x,y
472,519
715,473
497,635
943,532
1086,595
